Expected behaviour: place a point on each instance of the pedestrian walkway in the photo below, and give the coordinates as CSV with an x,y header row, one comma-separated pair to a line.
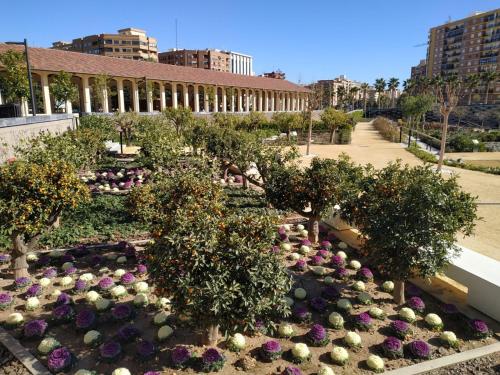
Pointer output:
x,y
368,146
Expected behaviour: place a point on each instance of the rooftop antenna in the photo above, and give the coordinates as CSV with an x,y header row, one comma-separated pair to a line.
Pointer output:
x,y
176,45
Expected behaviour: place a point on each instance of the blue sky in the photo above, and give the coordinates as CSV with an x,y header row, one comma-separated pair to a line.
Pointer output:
x,y
308,40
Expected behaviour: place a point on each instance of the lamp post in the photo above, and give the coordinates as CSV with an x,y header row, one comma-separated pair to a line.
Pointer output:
x,y
32,93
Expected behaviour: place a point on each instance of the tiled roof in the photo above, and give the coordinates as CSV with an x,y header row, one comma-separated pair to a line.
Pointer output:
x,y
74,62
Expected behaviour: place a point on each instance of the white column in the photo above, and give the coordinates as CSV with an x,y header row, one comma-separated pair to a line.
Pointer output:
x,y
272,101
121,97
24,107
105,104
247,101
86,95
149,98
240,102
254,101
224,100
174,95
196,99
163,97
206,105
260,101
135,97
232,101
1,100
266,101
185,88
289,105
68,106
216,100
46,93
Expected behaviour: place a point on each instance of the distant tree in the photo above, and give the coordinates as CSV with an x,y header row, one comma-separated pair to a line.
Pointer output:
x,y
333,119
341,95
63,89
409,218
287,122
393,85
487,78
313,102
101,90
414,108
180,117
14,77
379,88
364,88
353,92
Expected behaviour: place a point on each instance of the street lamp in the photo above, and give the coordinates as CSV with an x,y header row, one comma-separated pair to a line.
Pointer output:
x,y
32,93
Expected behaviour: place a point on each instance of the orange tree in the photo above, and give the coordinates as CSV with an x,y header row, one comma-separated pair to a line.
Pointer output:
x,y
315,190
409,217
216,266
32,197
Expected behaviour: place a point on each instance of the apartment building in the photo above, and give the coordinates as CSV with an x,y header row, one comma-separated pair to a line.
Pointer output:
x,y
330,89
276,74
419,70
129,43
212,59
466,46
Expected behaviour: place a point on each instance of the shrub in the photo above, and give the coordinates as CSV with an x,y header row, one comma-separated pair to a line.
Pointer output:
x,y
386,129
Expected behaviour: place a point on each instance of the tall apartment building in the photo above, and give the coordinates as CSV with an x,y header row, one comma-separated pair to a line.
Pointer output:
x,y
419,70
129,43
213,59
469,45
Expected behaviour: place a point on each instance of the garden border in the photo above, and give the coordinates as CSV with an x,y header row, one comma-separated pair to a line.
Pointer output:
x,y
27,359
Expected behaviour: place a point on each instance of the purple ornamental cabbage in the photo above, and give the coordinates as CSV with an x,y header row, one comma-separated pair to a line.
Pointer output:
x,y
271,350
110,350
180,356
5,301
327,245
212,360
122,312
67,258
318,304
416,303
81,286
400,329
305,242
85,319
127,333
392,347
96,260
141,269
301,313
363,321
419,349
479,328
323,253
50,273
317,260
70,271
331,293
35,328
364,274
43,260
411,290
341,273
105,283
4,258
63,313
337,261
64,299
290,370
301,265
449,309
22,282
145,350
60,360
317,335
127,278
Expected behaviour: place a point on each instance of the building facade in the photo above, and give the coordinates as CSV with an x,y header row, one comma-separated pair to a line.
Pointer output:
x,y
241,64
212,59
331,90
129,43
467,46
276,74
141,86
419,70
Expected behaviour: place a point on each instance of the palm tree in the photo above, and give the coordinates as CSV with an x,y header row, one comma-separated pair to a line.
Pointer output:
x,y
379,88
364,89
392,86
488,77
340,95
353,91
471,83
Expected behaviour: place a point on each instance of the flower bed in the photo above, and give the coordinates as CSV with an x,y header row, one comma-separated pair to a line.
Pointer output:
x,y
99,328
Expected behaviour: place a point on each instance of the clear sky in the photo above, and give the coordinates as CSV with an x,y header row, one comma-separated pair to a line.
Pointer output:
x,y
306,39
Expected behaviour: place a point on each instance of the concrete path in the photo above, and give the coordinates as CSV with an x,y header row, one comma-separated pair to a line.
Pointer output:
x,y
368,146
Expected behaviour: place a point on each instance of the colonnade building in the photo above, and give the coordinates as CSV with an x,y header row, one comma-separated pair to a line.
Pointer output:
x,y
142,86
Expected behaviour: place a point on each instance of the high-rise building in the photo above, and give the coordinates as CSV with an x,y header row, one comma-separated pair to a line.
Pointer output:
x,y
129,43
419,70
212,59
466,46
241,63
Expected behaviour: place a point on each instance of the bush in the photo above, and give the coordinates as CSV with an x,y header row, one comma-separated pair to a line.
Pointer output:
x,y
386,129
102,126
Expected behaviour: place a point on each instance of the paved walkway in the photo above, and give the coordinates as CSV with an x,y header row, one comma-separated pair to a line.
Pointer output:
x,y
368,146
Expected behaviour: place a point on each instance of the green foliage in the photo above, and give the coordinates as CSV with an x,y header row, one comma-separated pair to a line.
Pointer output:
x,y
126,122
386,128
252,121
216,267
63,88
334,120
286,122
180,118
102,126
225,120
14,76
415,107
32,196
101,90
410,217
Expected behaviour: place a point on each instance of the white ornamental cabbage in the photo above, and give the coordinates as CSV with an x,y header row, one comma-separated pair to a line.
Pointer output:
x,y
300,293
289,301
103,270
344,304
407,314
120,272
294,256
162,303
376,313
121,260
364,298
14,319
325,370
31,257
102,304
319,270
329,280
111,256
118,291
66,281
56,293
84,372
339,355
342,254
44,282
237,342
164,332
336,320
352,339
375,363
47,345
160,318
388,286
141,287
286,246
56,253
342,245
32,303
91,337
359,286
92,296
67,266
433,320
141,300
286,330
87,277
449,338
355,265
121,371
301,352
300,227
304,233
287,227
304,250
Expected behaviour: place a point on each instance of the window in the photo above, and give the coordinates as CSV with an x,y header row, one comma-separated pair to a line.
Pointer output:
x,y
108,41
135,42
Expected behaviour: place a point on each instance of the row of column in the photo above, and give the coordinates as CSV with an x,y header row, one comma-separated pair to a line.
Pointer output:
x,y
267,100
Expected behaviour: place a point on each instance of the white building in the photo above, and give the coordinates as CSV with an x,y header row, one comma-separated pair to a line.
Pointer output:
x,y
241,64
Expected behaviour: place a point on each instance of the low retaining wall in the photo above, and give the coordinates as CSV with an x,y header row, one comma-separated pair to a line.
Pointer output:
x,y
13,130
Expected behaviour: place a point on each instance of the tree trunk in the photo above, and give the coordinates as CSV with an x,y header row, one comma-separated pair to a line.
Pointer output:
x,y
443,140
332,135
487,93
313,229
57,223
470,97
399,292
245,182
212,335
309,133
19,251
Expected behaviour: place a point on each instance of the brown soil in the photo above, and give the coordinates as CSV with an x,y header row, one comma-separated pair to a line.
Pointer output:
x,y
88,358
